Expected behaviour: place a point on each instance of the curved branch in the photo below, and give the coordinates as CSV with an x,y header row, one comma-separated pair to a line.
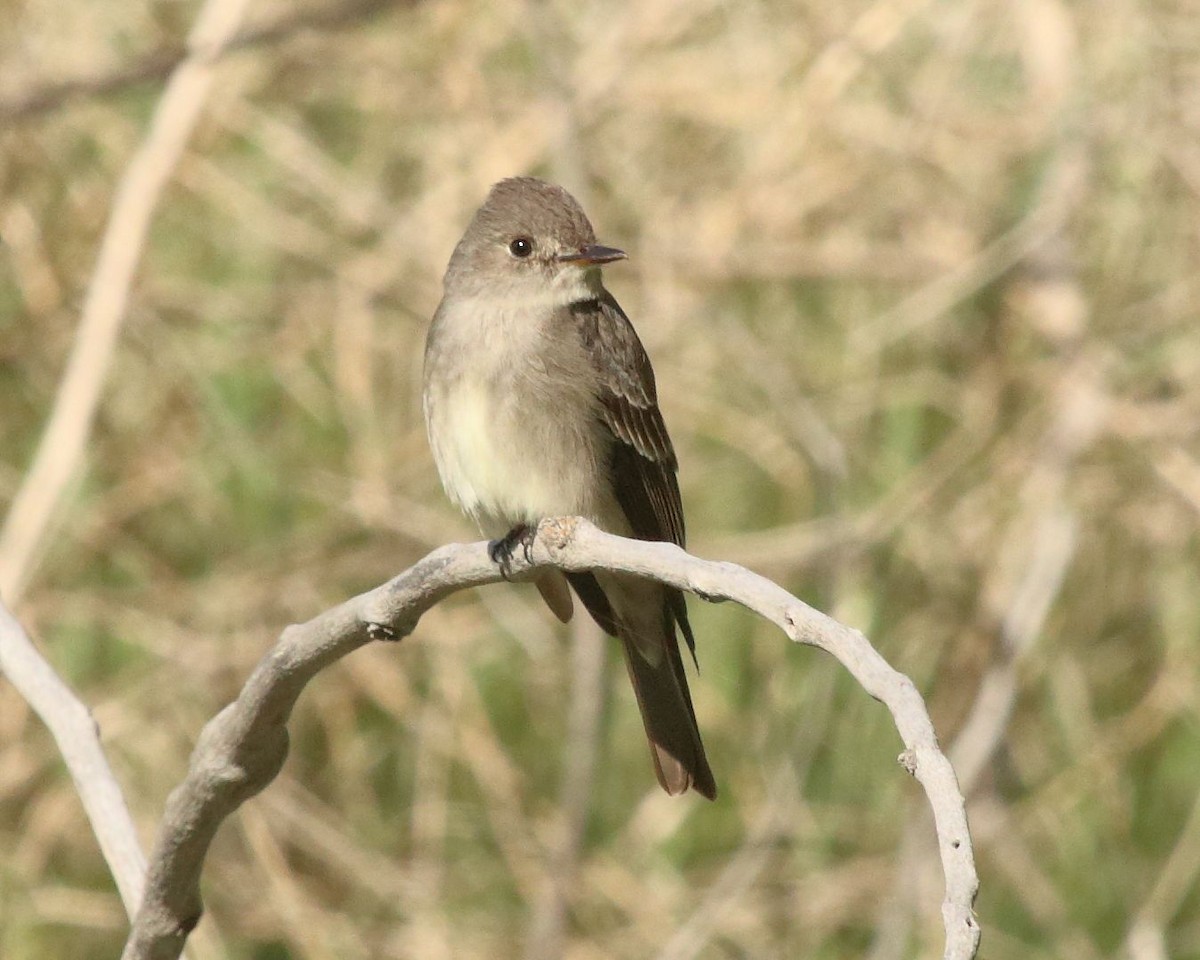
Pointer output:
x,y
78,740
242,749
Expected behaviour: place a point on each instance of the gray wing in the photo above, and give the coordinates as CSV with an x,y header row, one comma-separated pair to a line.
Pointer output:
x,y
643,460
642,468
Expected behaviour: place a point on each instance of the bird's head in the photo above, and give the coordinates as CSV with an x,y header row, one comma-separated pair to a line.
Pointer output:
x,y
529,239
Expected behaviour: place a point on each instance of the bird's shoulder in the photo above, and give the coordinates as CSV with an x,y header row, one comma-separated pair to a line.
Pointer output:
x,y
627,386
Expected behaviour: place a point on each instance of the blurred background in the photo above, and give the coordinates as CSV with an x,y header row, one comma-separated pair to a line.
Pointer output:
x,y
919,280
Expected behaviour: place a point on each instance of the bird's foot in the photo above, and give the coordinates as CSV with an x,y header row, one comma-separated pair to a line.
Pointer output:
x,y
501,550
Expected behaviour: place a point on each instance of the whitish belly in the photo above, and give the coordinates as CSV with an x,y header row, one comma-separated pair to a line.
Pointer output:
x,y
513,453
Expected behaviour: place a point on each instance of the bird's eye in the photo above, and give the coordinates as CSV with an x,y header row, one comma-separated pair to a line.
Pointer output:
x,y
521,247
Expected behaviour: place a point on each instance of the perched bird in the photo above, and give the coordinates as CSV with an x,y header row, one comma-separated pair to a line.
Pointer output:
x,y
540,402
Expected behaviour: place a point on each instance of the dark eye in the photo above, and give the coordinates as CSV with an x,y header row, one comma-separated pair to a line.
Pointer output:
x,y
521,247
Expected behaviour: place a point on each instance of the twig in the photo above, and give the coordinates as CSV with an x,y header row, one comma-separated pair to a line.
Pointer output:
x,y
63,443
1176,879
737,876
549,922
555,55
158,64
242,749
78,740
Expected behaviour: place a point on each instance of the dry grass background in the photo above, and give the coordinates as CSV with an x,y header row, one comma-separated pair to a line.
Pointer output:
x,y
919,280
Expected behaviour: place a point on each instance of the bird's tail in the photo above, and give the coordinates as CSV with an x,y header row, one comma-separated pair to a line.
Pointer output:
x,y
644,616
670,721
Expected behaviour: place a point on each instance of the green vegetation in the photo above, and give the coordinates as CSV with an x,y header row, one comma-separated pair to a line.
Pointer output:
x,y
920,284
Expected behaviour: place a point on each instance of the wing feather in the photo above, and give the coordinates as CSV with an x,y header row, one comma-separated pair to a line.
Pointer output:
x,y
643,459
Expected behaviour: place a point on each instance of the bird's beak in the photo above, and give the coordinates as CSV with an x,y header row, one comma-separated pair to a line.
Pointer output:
x,y
591,254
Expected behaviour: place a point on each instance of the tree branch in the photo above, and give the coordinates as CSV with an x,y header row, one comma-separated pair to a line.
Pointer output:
x,y
78,741
242,749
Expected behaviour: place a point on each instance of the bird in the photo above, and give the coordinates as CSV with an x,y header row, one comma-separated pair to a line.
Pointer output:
x,y
540,401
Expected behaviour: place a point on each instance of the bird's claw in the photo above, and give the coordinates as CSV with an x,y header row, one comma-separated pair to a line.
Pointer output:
x,y
501,551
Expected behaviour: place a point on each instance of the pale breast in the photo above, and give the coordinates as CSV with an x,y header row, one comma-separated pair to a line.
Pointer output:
x,y
512,416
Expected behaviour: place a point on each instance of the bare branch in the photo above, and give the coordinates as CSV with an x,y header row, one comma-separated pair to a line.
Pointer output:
x,y
65,438
78,740
242,749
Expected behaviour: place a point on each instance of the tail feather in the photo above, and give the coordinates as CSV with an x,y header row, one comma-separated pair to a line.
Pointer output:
x,y
670,722
656,672
554,590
